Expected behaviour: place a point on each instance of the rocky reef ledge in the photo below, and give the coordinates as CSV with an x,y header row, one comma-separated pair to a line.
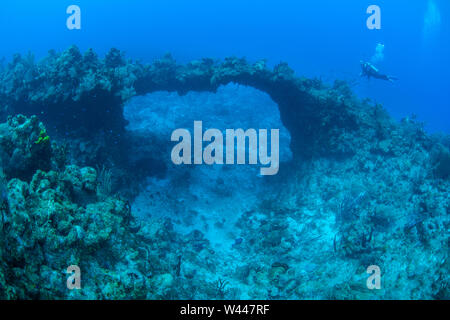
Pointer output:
x,y
81,95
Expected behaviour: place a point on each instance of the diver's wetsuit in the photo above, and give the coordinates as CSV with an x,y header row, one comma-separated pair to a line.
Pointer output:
x,y
369,71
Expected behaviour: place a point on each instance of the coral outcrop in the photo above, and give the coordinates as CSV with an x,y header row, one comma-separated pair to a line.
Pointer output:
x,y
83,95
24,147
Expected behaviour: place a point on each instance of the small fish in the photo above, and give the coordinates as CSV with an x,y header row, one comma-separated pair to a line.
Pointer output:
x,y
237,242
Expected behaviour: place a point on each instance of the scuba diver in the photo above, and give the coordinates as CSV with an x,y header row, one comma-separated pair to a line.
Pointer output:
x,y
369,70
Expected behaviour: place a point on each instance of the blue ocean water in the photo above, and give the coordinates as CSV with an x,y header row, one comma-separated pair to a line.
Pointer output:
x,y
323,38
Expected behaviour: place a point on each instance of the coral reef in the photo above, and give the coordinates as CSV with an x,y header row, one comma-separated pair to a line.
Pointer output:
x,y
361,189
81,95
24,147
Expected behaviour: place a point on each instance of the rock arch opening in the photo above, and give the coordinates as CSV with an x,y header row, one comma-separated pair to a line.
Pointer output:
x,y
83,96
153,117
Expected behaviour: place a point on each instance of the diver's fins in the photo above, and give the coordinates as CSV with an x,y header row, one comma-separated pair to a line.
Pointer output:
x,y
391,79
